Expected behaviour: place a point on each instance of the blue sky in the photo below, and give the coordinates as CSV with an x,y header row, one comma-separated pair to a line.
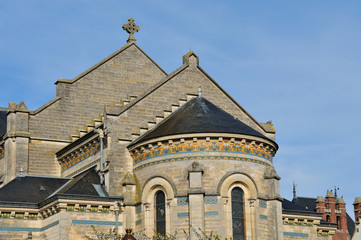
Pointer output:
x,y
296,63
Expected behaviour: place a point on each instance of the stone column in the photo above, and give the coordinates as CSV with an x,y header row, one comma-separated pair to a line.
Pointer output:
x,y
196,198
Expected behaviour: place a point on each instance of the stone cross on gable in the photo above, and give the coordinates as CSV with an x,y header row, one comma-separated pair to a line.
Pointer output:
x,y
131,28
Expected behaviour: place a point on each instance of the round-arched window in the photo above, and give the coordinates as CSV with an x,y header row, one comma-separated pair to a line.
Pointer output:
x,y
237,213
160,212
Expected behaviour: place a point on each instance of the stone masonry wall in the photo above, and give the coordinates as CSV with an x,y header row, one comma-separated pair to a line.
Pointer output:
x,y
128,73
186,81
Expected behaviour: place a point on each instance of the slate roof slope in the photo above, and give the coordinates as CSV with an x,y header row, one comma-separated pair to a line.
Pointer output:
x,y
30,189
310,204
35,189
292,206
199,116
3,121
87,183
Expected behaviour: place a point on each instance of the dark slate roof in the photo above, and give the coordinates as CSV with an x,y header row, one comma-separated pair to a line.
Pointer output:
x,y
350,225
306,202
293,206
35,189
30,189
87,183
3,121
199,116
310,204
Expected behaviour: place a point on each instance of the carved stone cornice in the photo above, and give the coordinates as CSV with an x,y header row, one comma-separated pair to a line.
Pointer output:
x,y
79,152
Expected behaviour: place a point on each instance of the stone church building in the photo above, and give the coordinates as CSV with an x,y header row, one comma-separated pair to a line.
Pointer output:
x,y
127,145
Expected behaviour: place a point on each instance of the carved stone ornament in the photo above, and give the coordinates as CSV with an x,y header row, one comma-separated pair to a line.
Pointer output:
x,y
146,206
225,201
131,28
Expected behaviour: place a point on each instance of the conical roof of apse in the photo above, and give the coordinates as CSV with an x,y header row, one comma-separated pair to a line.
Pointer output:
x,y
198,116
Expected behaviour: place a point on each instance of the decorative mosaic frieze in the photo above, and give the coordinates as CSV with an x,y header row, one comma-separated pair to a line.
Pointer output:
x,y
91,222
29,229
138,222
211,213
295,234
83,168
182,201
19,215
323,234
202,157
183,214
33,216
299,221
105,210
54,209
262,203
264,217
5,215
210,200
203,146
80,154
70,207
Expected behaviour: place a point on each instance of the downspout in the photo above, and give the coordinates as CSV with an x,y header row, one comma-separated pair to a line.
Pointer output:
x,y
116,208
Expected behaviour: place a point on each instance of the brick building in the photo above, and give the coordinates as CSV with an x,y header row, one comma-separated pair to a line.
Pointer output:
x,y
127,145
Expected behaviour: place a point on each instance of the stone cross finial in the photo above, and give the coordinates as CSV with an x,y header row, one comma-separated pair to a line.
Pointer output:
x,y
131,28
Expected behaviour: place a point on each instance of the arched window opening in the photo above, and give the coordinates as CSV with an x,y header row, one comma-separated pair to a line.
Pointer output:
x,y
237,214
338,220
328,219
160,212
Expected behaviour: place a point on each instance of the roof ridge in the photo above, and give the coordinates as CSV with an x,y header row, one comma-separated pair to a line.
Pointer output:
x,y
45,105
70,81
43,176
230,97
306,197
159,123
205,117
173,74
103,61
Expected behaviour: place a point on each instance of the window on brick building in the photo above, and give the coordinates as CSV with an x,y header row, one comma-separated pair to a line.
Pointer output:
x,y
237,213
338,220
160,212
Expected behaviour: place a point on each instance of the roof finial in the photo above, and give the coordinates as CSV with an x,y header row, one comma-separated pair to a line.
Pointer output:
x,y
336,188
199,91
294,190
131,28
21,171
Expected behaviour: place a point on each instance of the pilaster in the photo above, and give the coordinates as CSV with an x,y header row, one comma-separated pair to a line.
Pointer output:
x,y
17,140
129,193
196,199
